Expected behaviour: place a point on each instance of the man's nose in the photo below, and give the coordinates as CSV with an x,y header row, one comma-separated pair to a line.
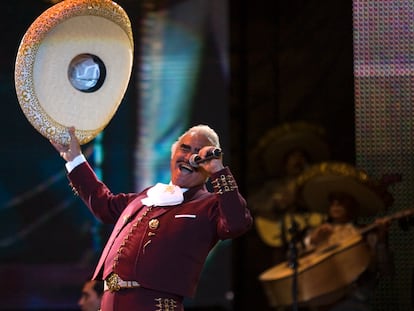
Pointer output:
x,y
188,155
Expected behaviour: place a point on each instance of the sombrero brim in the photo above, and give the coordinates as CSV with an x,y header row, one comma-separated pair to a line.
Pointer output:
x,y
321,180
316,193
66,30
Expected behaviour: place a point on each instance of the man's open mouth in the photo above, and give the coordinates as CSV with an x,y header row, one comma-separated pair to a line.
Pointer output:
x,y
185,167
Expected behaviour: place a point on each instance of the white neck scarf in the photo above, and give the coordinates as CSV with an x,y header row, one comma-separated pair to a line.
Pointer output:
x,y
164,195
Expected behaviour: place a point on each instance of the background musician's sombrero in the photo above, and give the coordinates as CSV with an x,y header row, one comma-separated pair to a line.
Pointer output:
x,y
73,67
320,180
273,147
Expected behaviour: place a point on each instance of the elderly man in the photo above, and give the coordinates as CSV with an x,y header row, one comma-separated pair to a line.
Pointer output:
x,y
162,235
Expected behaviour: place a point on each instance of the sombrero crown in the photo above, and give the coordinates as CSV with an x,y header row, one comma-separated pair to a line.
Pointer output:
x,y
279,141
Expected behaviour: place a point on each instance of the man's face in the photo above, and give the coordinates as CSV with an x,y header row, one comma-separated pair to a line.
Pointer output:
x,y
89,301
182,174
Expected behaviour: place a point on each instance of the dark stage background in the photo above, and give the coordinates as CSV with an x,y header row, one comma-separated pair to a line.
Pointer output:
x,y
289,60
292,60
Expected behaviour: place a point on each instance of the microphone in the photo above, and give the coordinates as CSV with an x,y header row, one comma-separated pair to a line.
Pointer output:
x,y
195,159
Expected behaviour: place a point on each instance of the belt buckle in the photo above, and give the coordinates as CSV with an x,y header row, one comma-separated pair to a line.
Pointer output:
x,y
113,282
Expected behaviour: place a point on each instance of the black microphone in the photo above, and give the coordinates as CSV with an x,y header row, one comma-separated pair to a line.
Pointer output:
x,y
195,159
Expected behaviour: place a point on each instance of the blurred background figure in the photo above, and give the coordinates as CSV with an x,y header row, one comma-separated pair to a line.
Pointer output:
x,y
278,158
90,299
281,155
358,250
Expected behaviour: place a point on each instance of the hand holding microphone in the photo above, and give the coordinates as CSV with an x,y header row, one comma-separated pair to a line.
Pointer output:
x,y
196,159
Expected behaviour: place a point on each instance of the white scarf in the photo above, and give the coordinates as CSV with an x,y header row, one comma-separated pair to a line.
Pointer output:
x,y
164,195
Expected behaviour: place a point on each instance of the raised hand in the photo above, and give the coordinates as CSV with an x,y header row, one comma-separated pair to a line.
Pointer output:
x,y
70,151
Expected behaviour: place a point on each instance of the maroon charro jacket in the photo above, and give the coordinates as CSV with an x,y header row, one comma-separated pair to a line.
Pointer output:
x,y
165,248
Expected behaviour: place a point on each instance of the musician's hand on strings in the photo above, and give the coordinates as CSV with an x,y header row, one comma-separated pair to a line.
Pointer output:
x,y
383,226
321,234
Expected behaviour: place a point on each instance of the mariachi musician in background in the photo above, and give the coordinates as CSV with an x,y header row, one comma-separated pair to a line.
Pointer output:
x,y
340,262
281,155
347,193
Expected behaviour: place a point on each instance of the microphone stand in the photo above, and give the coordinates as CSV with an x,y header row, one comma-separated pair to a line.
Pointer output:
x,y
293,260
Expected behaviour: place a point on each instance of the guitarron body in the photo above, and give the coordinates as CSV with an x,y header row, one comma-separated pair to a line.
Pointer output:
x,y
322,276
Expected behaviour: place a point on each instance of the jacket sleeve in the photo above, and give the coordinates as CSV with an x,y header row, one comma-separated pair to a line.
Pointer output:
x,y
105,205
234,217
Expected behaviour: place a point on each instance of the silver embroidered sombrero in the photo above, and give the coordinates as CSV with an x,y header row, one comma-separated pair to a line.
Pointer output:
x,y
73,67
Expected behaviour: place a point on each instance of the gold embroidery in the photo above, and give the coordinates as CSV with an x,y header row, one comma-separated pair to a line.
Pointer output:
x,y
128,235
165,304
126,218
170,189
224,183
153,224
75,192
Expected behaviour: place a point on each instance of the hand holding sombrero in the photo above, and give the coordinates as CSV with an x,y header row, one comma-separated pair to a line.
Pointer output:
x,y
320,180
73,67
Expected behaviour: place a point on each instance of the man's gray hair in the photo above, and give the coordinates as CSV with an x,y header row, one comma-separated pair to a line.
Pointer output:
x,y
202,129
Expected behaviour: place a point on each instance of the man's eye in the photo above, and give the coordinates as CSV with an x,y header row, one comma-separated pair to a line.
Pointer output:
x,y
185,150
